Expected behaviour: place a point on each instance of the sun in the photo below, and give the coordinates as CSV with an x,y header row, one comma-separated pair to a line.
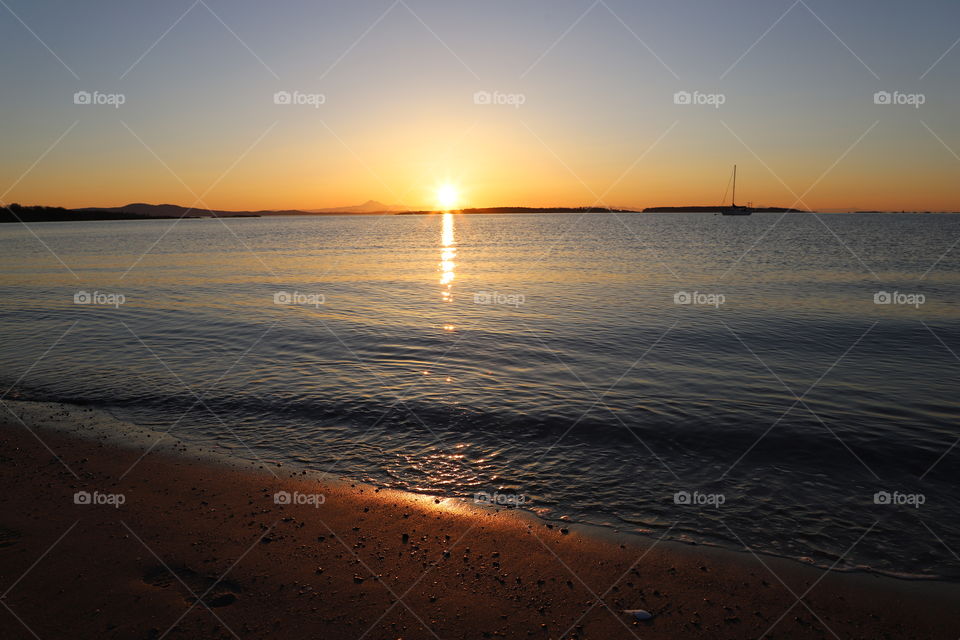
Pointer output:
x,y
448,196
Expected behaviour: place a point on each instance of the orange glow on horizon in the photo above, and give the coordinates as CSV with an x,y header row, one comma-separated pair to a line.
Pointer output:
x,y
676,173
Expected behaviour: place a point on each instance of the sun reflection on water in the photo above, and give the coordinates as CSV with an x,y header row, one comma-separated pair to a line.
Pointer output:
x,y
448,251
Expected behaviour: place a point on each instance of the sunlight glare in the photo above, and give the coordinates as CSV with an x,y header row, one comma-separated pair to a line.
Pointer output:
x,y
447,196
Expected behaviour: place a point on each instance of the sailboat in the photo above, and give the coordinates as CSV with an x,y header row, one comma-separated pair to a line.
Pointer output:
x,y
733,209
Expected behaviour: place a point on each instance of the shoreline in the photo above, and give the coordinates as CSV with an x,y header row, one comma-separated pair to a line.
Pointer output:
x,y
438,567
101,425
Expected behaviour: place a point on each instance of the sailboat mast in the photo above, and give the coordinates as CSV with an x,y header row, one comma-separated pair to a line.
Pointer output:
x,y
733,200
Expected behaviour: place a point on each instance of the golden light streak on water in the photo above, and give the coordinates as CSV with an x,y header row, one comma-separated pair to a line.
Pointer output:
x,y
448,253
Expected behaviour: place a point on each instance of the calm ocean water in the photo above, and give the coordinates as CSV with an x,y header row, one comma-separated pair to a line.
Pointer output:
x,y
551,357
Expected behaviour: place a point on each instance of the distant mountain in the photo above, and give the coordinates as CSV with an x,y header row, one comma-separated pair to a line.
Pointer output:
x,y
370,206
168,211
152,210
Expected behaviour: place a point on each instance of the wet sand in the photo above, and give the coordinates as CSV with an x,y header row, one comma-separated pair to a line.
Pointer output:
x,y
200,549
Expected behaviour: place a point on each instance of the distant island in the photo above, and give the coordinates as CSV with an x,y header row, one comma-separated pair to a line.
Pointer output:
x,y
716,209
19,213
526,210
143,211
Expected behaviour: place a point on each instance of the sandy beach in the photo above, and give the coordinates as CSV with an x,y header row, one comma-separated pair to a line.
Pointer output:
x,y
187,548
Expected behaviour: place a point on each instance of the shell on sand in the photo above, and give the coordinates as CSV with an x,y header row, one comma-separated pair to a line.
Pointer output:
x,y
639,614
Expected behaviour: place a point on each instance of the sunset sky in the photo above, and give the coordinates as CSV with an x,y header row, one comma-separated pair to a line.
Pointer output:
x,y
597,125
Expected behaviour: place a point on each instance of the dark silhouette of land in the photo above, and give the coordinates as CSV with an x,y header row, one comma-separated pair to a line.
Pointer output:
x,y
143,211
370,206
525,210
717,208
19,213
